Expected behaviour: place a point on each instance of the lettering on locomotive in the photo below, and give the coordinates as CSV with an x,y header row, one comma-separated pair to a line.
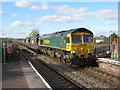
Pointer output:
x,y
46,41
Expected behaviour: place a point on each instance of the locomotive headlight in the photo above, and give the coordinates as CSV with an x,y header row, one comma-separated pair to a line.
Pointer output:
x,y
82,49
73,51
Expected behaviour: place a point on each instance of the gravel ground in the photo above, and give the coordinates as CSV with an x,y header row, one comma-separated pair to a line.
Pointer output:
x,y
110,68
80,76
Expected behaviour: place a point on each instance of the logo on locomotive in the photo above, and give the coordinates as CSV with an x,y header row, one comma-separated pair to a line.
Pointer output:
x,y
46,41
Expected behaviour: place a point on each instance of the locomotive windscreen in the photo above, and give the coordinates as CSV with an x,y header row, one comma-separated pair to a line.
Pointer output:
x,y
88,39
76,38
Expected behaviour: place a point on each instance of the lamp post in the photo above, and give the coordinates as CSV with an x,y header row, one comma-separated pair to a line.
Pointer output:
x,y
110,38
110,44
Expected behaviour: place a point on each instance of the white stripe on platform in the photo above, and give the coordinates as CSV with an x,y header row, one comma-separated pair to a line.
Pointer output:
x,y
40,76
113,61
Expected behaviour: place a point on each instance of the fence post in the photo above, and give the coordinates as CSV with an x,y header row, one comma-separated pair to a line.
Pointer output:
x,y
4,52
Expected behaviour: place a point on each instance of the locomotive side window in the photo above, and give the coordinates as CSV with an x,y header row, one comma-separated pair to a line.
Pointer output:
x,y
76,38
88,39
67,40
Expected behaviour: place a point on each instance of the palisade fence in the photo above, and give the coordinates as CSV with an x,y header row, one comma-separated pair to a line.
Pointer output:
x,y
102,51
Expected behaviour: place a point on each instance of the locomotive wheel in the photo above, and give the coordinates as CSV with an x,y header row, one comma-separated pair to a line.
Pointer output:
x,y
67,60
59,58
52,54
63,60
44,53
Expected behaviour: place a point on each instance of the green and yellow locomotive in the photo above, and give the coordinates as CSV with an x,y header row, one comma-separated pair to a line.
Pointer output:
x,y
75,46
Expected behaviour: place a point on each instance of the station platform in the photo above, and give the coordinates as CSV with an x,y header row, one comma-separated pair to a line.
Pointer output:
x,y
20,74
110,60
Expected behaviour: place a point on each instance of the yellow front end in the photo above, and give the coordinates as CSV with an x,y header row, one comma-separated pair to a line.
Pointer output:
x,y
82,50
81,44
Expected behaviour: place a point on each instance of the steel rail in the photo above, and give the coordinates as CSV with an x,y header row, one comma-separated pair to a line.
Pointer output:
x,y
76,85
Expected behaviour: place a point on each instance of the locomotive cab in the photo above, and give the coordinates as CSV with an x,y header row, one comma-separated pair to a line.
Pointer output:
x,y
82,44
81,47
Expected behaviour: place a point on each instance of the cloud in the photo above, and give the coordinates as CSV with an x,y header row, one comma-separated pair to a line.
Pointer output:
x,y
72,11
110,23
67,9
43,6
4,29
105,32
57,19
16,23
1,24
23,4
27,16
65,13
19,23
82,12
75,14
104,14
15,31
1,12
29,5
8,29
14,15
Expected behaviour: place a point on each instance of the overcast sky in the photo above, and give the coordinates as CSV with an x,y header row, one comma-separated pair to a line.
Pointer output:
x,y
20,17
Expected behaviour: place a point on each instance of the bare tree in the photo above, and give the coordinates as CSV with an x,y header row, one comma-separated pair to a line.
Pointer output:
x,y
34,33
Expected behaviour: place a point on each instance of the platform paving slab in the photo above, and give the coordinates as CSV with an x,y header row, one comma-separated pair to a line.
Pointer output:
x,y
20,75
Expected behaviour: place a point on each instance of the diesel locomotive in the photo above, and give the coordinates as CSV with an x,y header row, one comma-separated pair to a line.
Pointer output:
x,y
75,46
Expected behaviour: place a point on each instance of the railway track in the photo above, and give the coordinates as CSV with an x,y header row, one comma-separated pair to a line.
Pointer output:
x,y
53,77
107,78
